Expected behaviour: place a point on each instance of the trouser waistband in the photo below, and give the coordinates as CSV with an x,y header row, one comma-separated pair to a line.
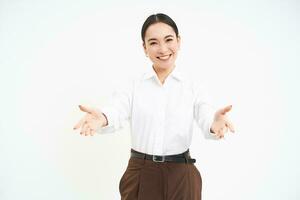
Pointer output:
x,y
180,158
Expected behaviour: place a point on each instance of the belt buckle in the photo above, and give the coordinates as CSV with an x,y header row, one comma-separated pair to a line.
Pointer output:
x,y
154,158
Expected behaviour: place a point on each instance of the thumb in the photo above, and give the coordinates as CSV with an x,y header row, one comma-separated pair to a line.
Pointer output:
x,y
223,111
89,110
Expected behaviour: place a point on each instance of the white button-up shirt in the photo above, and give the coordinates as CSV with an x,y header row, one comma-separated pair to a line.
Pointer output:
x,y
161,116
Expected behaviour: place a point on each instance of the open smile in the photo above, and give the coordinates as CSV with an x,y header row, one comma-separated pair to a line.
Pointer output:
x,y
164,57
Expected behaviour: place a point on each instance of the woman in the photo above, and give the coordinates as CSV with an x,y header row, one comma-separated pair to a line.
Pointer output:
x,y
161,106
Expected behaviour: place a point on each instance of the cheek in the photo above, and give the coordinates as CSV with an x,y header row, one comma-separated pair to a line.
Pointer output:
x,y
152,52
174,47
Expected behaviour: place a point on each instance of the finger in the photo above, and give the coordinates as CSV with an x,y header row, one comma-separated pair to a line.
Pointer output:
x,y
84,109
230,126
223,111
83,129
217,135
79,124
92,132
220,133
88,131
226,109
89,110
91,127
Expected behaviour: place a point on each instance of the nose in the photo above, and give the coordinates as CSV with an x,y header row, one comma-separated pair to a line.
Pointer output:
x,y
163,48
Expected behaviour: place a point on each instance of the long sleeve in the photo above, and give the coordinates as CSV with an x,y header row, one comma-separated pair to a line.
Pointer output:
x,y
203,112
161,116
118,111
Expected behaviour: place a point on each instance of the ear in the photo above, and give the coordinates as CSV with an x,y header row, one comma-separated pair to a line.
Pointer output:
x,y
179,41
145,50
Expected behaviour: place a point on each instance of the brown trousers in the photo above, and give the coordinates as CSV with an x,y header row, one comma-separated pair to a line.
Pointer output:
x,y
148,180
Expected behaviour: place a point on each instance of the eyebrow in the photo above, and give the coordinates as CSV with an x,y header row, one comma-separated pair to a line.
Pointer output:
x,y
156,39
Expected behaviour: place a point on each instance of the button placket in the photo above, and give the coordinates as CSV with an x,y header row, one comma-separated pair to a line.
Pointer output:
x,y
163,117
159,138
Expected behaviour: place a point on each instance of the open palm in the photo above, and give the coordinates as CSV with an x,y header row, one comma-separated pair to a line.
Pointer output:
x,y
221,123
92,121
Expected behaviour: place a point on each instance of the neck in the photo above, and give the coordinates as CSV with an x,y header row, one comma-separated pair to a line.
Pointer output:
x,y
162,74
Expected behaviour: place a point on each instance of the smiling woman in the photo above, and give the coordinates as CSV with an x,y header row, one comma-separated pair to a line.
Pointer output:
x,y
161,106
161,43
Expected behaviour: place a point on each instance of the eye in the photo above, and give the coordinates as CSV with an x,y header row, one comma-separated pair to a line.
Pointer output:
x,y
152,43
170,39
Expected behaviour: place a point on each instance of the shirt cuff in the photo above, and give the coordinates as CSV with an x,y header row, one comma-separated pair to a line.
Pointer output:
x,y
109,128
209,122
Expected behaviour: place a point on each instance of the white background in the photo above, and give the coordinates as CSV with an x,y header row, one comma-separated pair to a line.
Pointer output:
x,y
55,55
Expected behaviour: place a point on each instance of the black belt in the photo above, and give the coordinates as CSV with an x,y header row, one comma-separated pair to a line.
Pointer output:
x,y
180,158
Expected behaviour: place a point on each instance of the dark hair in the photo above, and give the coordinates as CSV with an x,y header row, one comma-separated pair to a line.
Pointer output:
x,y
156,18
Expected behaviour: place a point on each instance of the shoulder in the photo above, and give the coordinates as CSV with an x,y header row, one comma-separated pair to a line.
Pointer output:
x,y
197,85
192,81
129,83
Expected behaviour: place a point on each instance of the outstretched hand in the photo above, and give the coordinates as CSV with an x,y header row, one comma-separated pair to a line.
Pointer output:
x,y
221,123
93,120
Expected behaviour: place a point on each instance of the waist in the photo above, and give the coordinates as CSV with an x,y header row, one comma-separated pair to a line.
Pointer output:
x,y
183,157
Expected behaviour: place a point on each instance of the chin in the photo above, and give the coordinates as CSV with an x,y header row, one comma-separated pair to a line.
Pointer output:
x,y
164,66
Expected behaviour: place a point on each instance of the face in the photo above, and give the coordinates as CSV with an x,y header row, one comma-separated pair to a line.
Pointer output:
x,y
161,45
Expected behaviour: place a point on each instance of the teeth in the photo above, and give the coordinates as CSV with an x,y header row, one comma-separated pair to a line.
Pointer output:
x,y
164,57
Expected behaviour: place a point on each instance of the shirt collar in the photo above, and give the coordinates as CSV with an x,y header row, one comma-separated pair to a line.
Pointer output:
x,y
176,73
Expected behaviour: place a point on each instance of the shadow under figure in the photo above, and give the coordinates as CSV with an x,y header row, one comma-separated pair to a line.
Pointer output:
x,y
161,106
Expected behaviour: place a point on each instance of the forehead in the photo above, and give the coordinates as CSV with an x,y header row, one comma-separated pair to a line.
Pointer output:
x,y
159,30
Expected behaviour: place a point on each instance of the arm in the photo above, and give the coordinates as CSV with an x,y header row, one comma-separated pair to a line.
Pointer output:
x,y
118,111
203,112
108,119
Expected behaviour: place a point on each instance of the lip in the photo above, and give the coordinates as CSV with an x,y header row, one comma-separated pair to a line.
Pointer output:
x,y
164,57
